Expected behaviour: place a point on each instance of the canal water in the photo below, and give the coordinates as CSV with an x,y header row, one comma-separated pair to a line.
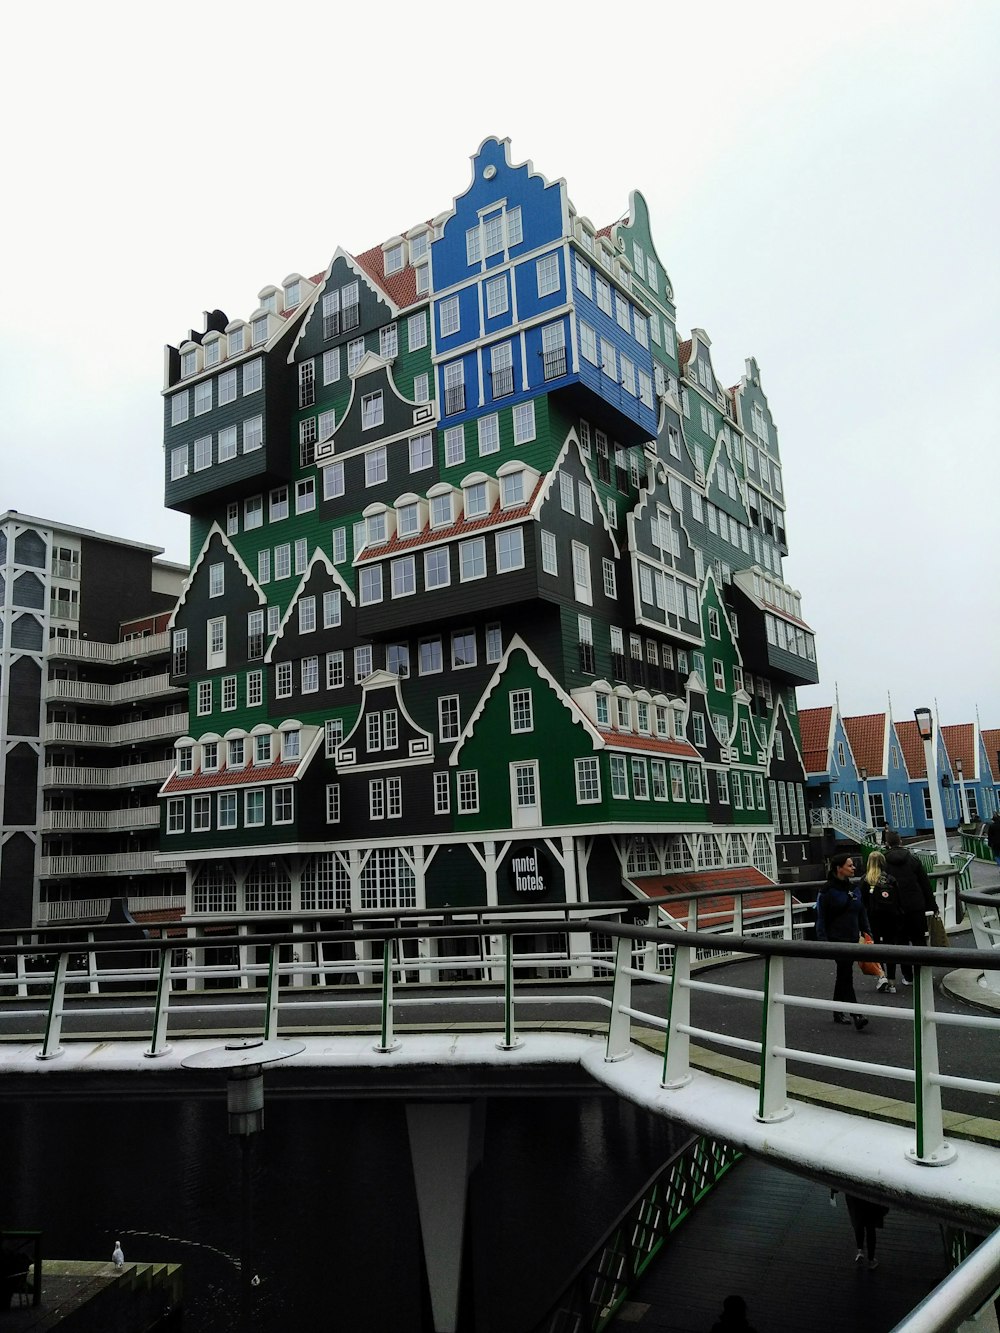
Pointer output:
x,y
334,1214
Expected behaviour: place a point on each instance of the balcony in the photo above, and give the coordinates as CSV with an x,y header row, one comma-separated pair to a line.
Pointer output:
x,y
454,399
102,821
65,569
84,650
554,363
129,775
503,381
63,610
112,863
96,909
82,691
83,733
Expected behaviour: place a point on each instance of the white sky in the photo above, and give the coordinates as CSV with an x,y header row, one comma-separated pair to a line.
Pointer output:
x,y
824,198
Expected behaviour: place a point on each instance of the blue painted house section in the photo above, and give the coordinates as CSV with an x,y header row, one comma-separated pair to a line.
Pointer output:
x,y
518,311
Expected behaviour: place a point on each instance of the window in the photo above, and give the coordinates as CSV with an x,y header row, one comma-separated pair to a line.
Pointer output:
x,y
237,341
524,422
640,782
333,481
442,794
510,550
454,445
468,792
258,331
228,694
489,434
463,649
394,258
497,301
253,434
441,510
178,462
372,410
227,444
698,728
203,453
494,643
283,680
217,642
550,560
291,745
278,505
623,312
619,777
253,379
309,675
588,343
282,561
421,454
430,656
201,814
376,466
610,584
255,689
476,500
449,718
175,815
355,354
588,781
179,408
547,274
603,293
521,714
658,779
403,574
416,331
581,573
512,489
225,811
397,659
449,316
472,559
677,790
305,495
502,369
263,748
281,805
373,728
371,584
437,571
454,388
362,662
253,808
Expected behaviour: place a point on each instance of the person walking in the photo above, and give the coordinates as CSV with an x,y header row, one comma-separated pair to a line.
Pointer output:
x,y
916,897
993,837
840,918
880,894
865,1217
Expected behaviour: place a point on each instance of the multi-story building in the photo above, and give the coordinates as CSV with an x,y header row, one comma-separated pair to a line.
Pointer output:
x,y
486,601
88,719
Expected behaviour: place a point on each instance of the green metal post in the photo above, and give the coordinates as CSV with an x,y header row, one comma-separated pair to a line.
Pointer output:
x,y
158,1041
53,1024
931,1148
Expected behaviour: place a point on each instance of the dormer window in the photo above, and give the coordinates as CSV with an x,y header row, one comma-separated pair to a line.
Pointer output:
x,y
213,351
512,489
185,760
291,745
395,258
262,748
418,246
477,502
189,362
423,279
293,295
408,520
441,510
377,532
259,330
602,710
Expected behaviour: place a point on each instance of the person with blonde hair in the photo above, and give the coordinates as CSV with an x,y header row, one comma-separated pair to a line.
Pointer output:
x,y
885,913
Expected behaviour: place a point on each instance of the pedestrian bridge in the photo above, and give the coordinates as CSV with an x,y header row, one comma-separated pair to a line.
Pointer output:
x,y
909,1109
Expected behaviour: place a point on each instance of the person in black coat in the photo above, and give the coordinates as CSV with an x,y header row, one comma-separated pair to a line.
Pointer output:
x,y
993,836
841,917
916,897
865,1218
880,894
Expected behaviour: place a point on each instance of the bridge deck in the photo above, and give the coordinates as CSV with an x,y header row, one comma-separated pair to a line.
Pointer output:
x,y
773,1238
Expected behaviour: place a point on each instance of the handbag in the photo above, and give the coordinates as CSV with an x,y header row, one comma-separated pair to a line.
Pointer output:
x,y
937,935
869,969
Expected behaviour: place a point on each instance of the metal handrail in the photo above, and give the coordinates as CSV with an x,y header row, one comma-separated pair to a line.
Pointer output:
x,y
930,1147
966,1291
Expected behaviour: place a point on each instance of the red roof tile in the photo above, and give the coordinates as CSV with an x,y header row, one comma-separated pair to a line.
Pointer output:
x,y
912,747
867,737
960,743
684,352
814,724
401,287
432,536
630,740
251,776
670,892
991,741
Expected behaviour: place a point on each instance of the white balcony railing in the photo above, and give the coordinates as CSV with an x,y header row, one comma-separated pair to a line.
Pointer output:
x,y
84,691
129,775
84,733
113,863
143,816
86,651
96,909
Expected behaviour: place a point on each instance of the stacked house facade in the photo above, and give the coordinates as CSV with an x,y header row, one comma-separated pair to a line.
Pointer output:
x,y
88,720
486,603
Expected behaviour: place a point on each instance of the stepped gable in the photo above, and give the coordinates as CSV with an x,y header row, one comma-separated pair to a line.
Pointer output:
x,y
814,727
991,742
960,743
913,749
670,892
867,737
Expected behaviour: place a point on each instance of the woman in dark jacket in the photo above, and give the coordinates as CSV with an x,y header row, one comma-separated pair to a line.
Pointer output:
x,y
880,895
916,897
840,918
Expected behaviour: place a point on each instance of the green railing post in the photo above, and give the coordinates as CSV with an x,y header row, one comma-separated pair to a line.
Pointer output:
x,y
772,1102
931,1148
510,1040
619,1045
677,1044
57,1003
388,1040
161,1010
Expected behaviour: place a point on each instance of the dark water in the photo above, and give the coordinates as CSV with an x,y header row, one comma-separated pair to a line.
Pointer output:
x,y
334,1214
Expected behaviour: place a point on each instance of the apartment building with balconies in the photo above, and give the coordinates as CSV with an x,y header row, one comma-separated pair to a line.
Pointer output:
x,y
89,717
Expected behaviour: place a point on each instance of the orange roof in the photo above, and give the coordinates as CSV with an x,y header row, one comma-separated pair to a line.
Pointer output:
x,y
429,536
867,737
814,724
251,776
684,353
912,747
960,743
671,893
401,287
991,741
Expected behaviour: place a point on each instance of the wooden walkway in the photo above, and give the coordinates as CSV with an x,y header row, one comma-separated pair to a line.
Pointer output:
x,y
774,1238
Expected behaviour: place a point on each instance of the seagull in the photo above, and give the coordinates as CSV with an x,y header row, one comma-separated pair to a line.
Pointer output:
x,y
118,1255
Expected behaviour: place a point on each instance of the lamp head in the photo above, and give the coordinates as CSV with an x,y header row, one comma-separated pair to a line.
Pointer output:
x,y
925,722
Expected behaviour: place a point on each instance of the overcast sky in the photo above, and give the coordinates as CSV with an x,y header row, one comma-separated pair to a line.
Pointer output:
x,y
823,187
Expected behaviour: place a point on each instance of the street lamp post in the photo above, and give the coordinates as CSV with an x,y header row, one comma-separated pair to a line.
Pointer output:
x,y
925,725
960,770
863,774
